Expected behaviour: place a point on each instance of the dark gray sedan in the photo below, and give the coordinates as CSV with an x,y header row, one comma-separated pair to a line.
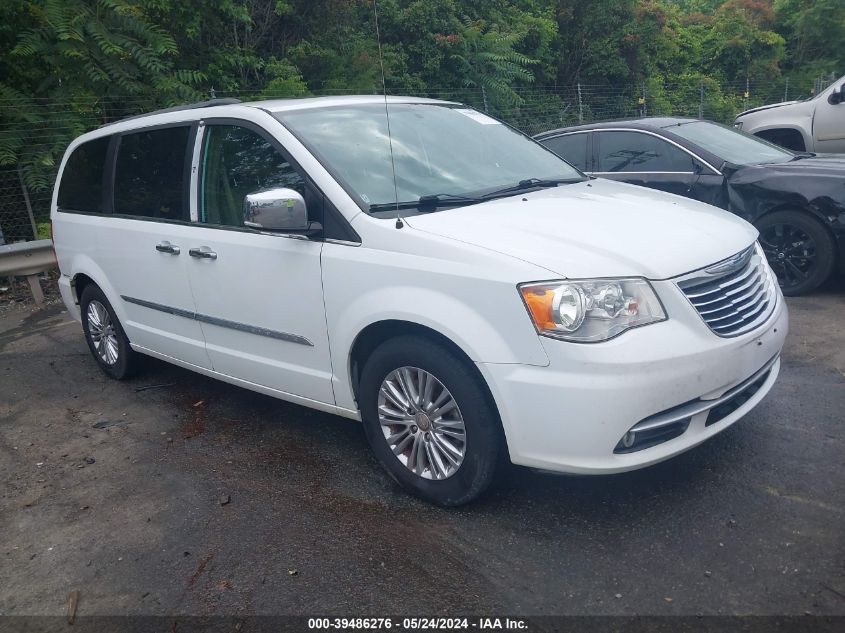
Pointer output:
x,y
796,200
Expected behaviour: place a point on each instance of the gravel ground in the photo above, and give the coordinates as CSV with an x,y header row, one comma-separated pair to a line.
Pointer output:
x,y
15,294
175,494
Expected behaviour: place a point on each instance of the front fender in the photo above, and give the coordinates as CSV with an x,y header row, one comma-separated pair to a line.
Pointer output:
x,y
469,329
483,317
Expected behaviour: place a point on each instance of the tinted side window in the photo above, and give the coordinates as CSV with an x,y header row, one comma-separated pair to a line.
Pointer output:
x,y
149,177
81,188
235,162
572,148
637,152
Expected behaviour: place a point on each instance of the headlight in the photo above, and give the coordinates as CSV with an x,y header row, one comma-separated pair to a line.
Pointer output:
x,y
738,125
591,310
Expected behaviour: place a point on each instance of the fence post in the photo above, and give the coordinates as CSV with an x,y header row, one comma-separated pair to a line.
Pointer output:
x,y
28,204
786,90
701,99
580,105
35,289
747,92
643,106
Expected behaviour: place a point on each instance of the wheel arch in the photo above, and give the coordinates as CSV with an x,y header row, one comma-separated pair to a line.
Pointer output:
x,y
378,332
79,282
85,273
789,131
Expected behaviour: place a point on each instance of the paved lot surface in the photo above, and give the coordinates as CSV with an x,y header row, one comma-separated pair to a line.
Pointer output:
x,y
117,492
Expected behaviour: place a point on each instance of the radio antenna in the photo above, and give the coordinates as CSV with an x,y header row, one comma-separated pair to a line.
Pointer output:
x,y
399,223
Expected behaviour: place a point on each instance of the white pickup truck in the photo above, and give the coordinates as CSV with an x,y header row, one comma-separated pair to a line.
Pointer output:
x,y
812,125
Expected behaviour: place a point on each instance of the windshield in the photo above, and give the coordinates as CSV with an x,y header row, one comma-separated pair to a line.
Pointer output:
x,y
438,150
730,144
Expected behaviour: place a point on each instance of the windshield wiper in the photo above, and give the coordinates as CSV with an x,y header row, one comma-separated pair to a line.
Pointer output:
x,y
432,202
428,203
800,155
530,183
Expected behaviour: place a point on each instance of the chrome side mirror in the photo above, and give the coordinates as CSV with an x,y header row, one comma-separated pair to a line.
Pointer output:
x,y
276,210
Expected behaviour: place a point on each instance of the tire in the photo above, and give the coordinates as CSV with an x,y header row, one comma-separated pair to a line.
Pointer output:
x,y
435,473
105,336
800,250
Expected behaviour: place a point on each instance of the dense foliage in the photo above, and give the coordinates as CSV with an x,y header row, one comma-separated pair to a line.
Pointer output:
x,y
68,65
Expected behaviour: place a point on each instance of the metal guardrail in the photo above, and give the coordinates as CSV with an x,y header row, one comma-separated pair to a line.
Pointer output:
x,y
27,259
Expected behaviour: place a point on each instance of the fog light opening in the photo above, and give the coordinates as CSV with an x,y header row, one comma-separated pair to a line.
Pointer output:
x,y
642,438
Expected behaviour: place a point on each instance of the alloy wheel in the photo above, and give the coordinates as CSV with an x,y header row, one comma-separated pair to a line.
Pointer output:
x,y
422,423
102,332
791,253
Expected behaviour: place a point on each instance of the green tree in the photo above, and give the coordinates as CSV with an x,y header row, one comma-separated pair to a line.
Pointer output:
x,y
813,30
592,37
741,42
284,80
69,65
487,60
99,59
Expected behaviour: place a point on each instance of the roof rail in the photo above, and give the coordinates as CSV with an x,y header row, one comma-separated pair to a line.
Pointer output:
x,y
179,108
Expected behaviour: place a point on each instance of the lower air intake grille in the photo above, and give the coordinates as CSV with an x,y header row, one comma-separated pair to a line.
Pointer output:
x,y
733,296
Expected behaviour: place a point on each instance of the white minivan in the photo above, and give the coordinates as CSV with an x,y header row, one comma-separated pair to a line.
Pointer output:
x,y
424,268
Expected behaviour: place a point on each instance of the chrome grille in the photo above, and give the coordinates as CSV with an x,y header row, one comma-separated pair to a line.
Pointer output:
x,y
733,296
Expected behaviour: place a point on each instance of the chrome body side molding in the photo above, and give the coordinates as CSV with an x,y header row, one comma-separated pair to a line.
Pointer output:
x,y
234,325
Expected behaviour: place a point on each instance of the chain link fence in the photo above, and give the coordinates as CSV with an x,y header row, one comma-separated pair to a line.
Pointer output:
x,y
25,213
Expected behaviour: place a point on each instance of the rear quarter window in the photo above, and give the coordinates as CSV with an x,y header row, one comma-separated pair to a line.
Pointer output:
x,y
81,186
570,147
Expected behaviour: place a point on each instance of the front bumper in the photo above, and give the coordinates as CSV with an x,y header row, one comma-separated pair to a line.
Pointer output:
x,y
571,415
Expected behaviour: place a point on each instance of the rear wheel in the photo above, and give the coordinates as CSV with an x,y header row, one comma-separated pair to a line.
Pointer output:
x,y
799,249
429,421
105,336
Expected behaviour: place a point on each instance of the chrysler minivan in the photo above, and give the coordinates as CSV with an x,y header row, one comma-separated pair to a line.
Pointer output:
x,y
424,268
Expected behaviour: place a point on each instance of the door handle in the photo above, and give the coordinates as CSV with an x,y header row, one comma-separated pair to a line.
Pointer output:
x,y
203,252
167,247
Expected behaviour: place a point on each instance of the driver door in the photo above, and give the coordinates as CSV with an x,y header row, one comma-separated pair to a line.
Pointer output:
x,y
643,159
258,296
829,122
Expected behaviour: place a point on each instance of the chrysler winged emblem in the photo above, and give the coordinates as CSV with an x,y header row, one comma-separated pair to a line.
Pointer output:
x,y
731,264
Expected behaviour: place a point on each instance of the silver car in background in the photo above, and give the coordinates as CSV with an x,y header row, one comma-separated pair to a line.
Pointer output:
x,y
812,125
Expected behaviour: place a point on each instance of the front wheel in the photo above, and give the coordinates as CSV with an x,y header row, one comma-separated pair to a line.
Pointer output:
x,y
429,421
799,249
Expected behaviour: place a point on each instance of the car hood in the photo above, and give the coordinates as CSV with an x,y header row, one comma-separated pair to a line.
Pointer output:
x,y
598,228
813,182
766,107
818,165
